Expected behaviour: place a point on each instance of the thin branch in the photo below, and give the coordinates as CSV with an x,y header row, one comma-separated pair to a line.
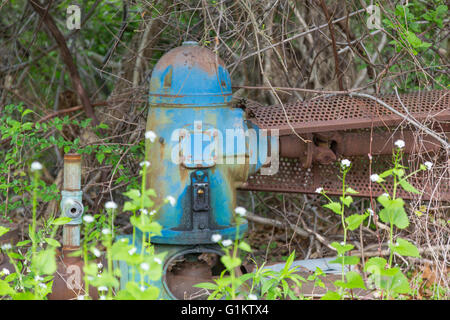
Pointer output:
x,y
67,58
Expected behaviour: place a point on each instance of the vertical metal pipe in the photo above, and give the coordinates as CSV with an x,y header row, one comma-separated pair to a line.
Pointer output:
x,y
71,200
72,172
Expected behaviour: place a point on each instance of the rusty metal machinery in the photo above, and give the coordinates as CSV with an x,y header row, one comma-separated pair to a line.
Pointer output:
x,y
350,127
190,101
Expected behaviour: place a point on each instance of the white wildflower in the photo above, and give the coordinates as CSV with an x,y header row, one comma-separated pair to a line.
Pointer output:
x,y
240,211
145,266
374,177
144,163
36,166
81,297
150,135
399,144
99,265
385,195
370,211
4,272
227,242
102,288
96,252
152,212
38,278
252,296
6,246
171,200
319,190
110,205
142,288
143,211
345,163
102,297
42,285
157,260
132,251
216,237
106,231
88,218
428,164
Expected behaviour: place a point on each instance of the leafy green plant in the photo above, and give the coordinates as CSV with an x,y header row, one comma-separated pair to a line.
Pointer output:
x,y
349,280
389,280
263,282
34,265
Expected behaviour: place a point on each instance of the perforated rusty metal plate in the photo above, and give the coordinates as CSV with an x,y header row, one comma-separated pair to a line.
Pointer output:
x,y
344,112
292,177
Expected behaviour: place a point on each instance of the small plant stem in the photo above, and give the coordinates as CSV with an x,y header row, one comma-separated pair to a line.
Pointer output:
x,y
108,250
85,258
142,255
33,227
343,225
233,276
144,170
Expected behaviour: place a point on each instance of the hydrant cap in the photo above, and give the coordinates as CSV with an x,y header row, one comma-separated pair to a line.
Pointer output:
x,y
191,76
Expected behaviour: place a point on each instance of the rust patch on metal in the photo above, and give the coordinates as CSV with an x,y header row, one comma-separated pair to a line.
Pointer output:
x,y
72,157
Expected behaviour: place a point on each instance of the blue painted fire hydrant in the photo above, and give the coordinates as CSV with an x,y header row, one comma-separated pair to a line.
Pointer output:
x,y
205,150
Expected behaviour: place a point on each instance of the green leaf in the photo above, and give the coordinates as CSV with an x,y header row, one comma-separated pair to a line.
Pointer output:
x,y
23,243
26,111
375,265
349,260
398,172
206,285
351,191
334,206
230,262
44,261
100,157
129,206
3,230
133,194
341,249
5,289
413,40
393,212
61,221
24,296
405,248
354,281
408,187
331,295
52,242
355,220
244,246
400,283
347,201
144,223
386,173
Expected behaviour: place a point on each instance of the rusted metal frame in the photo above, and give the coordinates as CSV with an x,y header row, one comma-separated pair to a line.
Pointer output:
x,y
293,178
434,104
